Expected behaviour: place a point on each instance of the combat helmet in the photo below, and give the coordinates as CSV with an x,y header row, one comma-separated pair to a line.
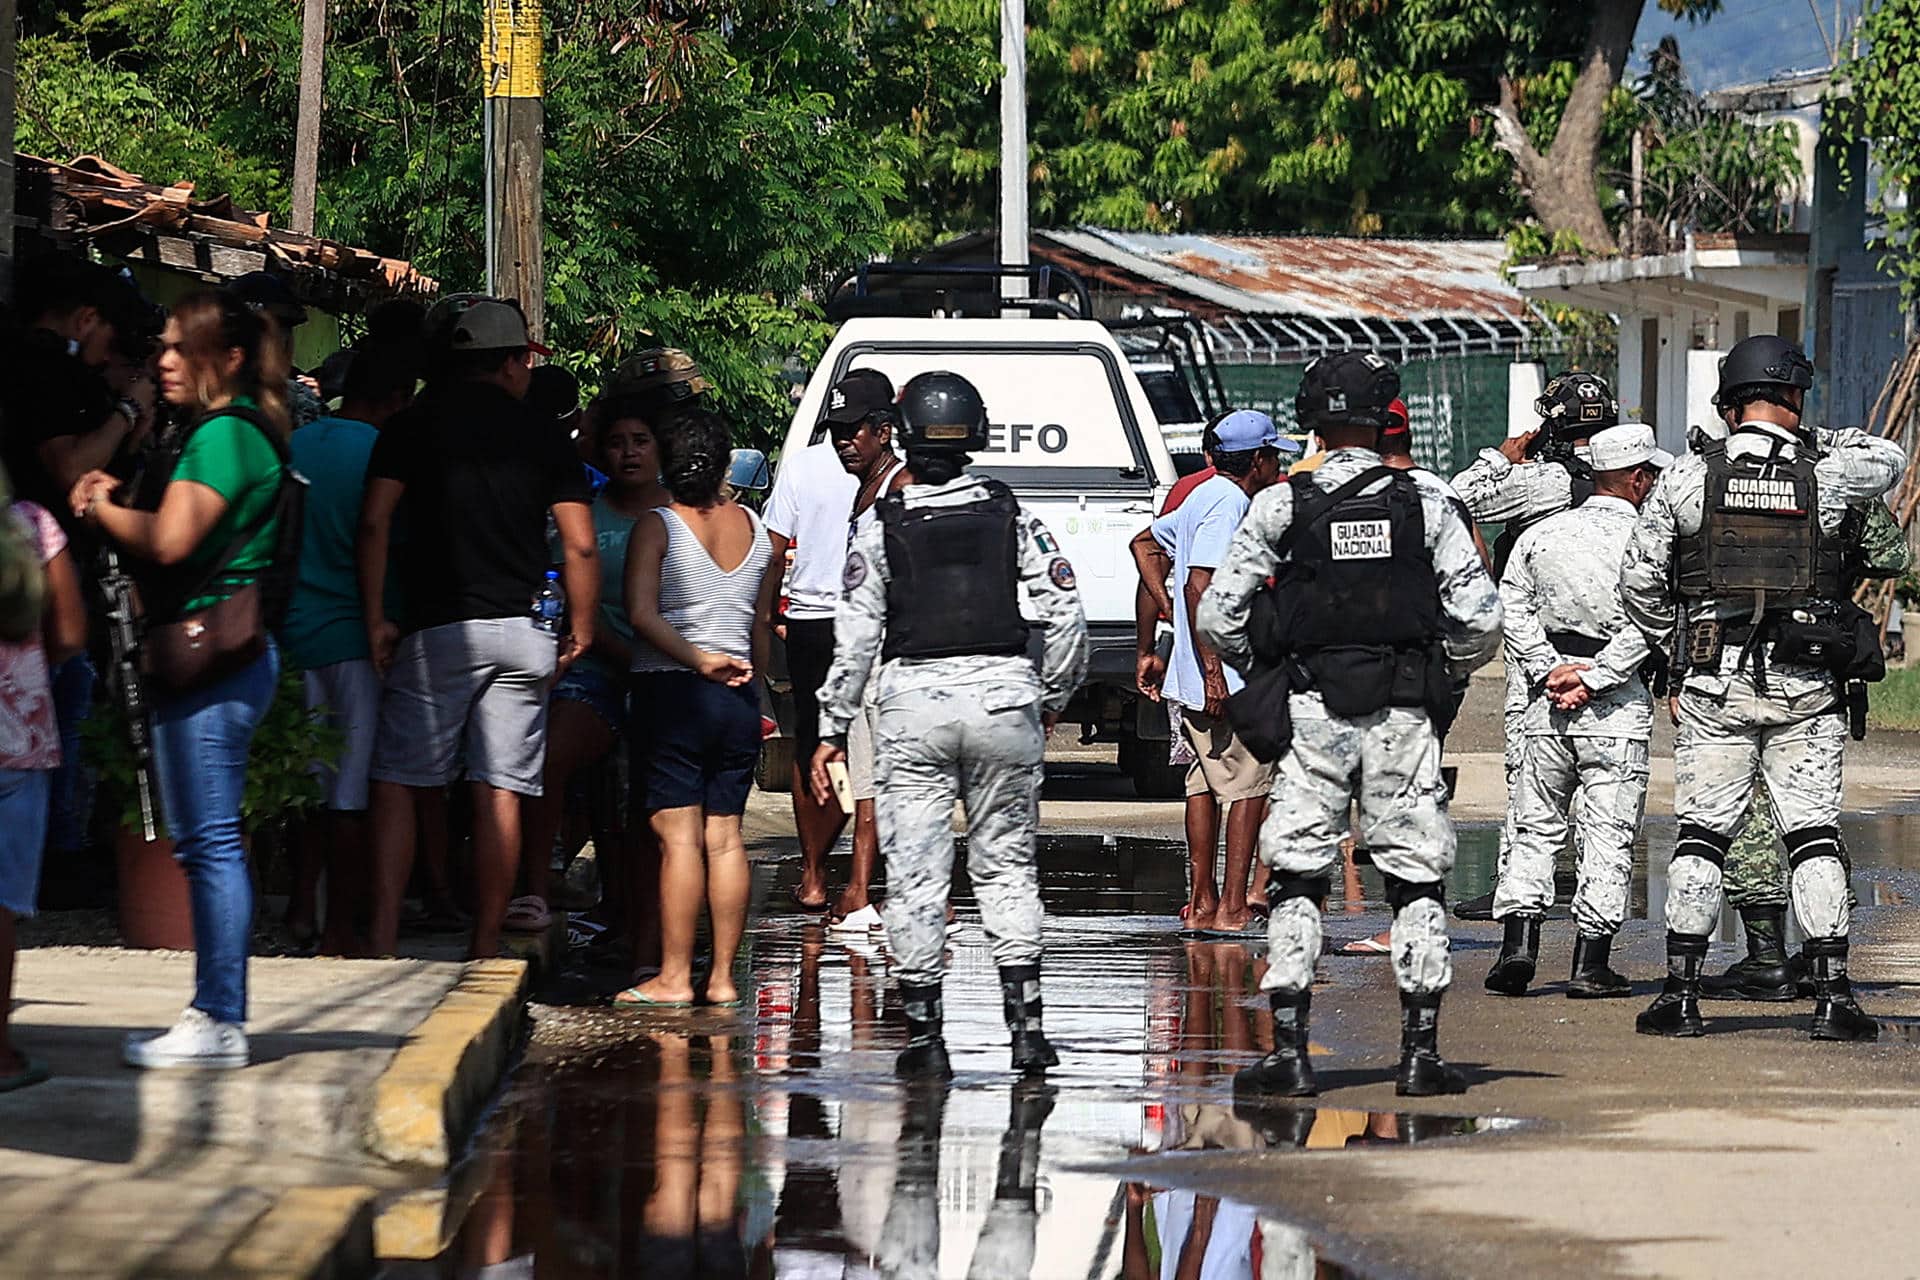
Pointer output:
x,y
1763,367
1575,404
1347,388
942,412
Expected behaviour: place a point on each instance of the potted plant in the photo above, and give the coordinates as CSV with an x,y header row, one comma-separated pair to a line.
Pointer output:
x,y
154,907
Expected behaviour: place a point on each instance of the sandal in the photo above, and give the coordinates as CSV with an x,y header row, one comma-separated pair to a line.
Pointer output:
x,y
1364,947
528,914
634,998
819,908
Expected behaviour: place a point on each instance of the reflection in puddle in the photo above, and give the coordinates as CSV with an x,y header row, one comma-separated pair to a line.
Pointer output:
x,y
778,1144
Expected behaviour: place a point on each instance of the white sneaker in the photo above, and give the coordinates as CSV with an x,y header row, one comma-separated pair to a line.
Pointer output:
x,y
864,921
196,1040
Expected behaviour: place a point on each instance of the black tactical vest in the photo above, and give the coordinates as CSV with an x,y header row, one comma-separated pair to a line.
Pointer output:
x,y
1579,478
1360,574
1760,531
955,585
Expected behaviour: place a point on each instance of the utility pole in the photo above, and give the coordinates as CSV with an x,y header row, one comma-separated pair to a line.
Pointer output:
x,y
1013,144
306,129
510,55
8,86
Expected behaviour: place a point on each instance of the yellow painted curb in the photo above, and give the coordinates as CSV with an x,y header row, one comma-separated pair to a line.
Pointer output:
x,y
449,1065
310,1233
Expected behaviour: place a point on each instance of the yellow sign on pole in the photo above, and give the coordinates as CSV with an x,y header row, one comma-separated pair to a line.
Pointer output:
x,y
510,49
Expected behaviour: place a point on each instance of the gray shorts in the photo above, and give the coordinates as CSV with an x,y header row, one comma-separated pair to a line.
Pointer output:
x,y
482,684
347,694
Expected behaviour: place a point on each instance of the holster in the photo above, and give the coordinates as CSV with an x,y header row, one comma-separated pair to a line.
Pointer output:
x,y
1260,715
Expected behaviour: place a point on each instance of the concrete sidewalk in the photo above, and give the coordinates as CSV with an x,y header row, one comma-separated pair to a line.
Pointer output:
x,y
365,1077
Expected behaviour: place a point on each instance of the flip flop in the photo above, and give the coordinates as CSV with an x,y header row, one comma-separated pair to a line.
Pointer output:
x,y
1364,947
30,1074
1264,910
819,908
734,1003
635,998
860,923
528,914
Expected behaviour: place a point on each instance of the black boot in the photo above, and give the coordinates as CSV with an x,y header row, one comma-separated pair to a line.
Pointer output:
x,y
1676,1010
1519,956
925,1057
1764,974
1480,908
1286,1072
1020,999
1801,972
1835,1014
1593,978
1423,1072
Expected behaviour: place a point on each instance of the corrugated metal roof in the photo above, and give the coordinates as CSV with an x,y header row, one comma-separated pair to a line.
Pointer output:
x,y
1325,277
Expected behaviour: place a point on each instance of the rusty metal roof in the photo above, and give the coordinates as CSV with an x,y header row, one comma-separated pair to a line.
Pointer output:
x,y
90,200
1323,277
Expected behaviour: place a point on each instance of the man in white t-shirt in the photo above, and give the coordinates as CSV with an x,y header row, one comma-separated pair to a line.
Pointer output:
x,y
811,512
1189,543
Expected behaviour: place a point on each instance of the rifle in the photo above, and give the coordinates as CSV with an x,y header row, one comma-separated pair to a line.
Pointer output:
x,y
124,634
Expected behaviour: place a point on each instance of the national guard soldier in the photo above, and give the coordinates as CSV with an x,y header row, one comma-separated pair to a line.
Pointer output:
x,y
1756,879
1528,478
1587,724
1738,561
1381,605
934,588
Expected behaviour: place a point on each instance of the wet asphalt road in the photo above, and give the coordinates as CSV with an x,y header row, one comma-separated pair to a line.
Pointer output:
x,y
775,1141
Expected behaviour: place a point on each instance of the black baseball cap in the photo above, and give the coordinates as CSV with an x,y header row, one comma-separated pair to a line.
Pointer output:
x,y
265,291
857,397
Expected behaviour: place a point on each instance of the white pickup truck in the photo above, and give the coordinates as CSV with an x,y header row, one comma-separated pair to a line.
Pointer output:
x,y
1074,436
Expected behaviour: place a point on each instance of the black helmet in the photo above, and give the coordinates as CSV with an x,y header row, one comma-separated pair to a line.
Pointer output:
x,y
1576,405
1760,368
942,412
1348,388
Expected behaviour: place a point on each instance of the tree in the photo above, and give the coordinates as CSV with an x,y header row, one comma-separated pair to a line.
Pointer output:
x,y
1559,182
709,165
1880,105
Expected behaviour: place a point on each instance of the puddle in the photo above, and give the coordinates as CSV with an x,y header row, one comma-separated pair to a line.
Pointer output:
x,y
776,1142
1093,875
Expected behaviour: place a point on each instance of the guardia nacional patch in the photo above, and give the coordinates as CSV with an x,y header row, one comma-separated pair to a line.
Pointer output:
x,y
856,571
1062,573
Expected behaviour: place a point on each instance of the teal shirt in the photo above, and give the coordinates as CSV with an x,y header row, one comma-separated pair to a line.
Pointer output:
x,y
324,623
611,531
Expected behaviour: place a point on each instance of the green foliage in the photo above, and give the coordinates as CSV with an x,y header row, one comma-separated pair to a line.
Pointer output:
x,y
706,166
1884,111
289,741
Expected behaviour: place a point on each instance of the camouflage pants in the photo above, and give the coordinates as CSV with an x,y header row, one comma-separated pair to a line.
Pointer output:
x,y
1607,779
1514,750
981,745
1757,864
1389,762
1731,736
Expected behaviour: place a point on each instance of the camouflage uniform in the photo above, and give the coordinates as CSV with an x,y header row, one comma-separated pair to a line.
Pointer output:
x,y
1497,490
1756,867
964,728
1733,734
1389,761
1564,577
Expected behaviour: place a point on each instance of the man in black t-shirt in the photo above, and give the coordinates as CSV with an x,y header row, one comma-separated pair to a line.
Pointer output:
x,y
473,472
63,417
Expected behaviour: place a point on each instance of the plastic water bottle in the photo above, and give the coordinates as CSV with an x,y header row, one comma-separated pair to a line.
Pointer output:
x,y
549,604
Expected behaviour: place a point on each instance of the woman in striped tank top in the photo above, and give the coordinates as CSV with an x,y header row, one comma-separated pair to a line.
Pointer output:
x,y
698,593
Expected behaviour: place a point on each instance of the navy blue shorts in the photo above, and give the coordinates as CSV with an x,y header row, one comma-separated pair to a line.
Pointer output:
x,y
695,743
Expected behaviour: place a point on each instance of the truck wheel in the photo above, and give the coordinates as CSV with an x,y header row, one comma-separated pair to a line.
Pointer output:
x,y
775,771
1153,778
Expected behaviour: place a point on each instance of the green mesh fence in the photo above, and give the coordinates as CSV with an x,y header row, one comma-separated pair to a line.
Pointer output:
x,y
1457,404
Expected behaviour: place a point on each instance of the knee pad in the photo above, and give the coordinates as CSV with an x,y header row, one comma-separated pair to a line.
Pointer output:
x,y
1695,841
1402,892
1811,842
1291,884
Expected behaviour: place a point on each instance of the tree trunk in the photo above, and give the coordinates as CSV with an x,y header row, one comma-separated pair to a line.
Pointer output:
x,y
1560,183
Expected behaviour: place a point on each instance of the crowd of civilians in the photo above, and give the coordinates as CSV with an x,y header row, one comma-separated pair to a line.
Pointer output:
x,y
462,565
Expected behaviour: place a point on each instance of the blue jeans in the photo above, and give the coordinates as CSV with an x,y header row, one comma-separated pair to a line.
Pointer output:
x,y
200,747
73,780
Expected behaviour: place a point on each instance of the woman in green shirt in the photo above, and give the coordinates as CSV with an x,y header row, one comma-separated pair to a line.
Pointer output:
x,y
222,365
